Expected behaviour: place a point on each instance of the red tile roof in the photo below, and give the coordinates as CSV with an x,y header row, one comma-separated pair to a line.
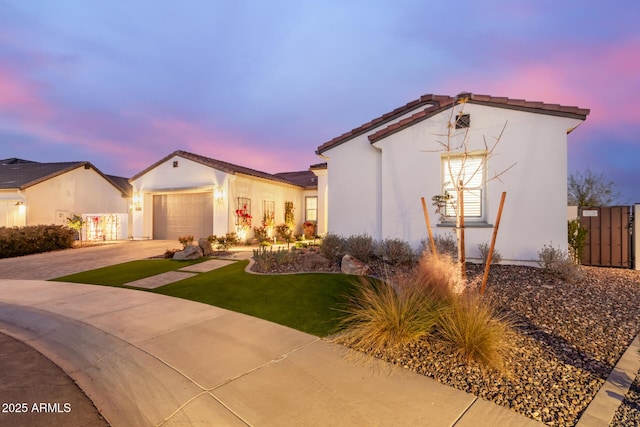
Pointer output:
x,y
435,104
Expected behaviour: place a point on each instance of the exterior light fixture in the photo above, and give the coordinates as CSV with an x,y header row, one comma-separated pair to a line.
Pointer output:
x,y
218,194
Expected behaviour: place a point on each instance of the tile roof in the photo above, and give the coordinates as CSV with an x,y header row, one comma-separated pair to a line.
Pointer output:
x,y
435,104
305,179
379,121
21,174
222,166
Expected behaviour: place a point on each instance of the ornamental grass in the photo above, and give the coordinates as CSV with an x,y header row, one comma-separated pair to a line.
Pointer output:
x,y
383,317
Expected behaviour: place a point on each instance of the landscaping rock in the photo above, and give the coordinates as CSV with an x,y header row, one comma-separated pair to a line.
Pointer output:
x,y
352,265
205,245
190,252
314,261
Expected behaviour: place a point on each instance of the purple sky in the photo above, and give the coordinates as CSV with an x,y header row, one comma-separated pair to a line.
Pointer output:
x,y
264,83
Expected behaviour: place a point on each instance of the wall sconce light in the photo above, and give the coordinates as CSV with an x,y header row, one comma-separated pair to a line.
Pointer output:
x,y
137,201
21,207
218,194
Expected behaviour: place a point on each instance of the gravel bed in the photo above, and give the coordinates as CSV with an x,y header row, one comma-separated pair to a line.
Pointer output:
x,y
568,339
628,413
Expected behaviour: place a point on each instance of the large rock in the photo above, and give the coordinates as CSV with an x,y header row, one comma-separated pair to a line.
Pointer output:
x,y
205,245
352,265
313,261
190,252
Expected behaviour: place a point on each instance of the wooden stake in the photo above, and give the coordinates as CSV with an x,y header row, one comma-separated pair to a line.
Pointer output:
x,y
426,219
493,243
461,251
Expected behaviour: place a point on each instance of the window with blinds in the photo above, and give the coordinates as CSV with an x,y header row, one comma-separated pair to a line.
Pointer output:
x,y
470,171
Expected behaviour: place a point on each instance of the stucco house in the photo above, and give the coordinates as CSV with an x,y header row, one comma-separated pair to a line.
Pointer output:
x,y
189,194
376,174
33,193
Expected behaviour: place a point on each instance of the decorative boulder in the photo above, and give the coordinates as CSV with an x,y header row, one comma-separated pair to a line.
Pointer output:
x,y
205,245
352,265
190,252
313,261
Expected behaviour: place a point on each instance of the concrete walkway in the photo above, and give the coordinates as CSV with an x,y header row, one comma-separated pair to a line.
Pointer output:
x,y
148,359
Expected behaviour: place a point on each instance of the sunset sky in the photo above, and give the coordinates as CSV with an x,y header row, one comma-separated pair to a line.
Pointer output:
x,y
263,83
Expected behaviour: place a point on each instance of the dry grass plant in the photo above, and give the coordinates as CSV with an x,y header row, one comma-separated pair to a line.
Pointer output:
x,y
473,329
383,317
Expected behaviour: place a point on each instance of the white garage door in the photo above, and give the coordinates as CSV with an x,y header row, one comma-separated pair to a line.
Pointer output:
x,y
176,215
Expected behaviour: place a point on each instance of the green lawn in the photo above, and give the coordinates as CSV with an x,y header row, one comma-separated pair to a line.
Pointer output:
x,y
306,302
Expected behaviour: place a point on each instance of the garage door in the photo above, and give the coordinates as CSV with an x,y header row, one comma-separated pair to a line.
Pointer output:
x,y
176,215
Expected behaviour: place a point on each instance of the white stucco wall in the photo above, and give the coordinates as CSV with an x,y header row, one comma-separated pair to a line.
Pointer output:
x,y
323,201
78,191
535,211
259,190
354,185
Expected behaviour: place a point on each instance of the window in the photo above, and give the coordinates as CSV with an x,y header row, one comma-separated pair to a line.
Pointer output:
x,y
463,121
470,170
311,209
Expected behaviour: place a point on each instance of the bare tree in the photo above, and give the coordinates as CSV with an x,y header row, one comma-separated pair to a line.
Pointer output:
x,y
457,145
590,189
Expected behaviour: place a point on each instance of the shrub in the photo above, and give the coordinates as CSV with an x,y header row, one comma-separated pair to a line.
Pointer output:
x,y
379,318
559,264
395,252
474,330
185,240
484,253
577,235
445,244
19,241
223,244
360,246
284,232
261,234
333,248
267,259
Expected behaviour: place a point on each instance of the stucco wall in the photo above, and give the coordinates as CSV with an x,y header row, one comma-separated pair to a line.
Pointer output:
x,y
77,191
535,211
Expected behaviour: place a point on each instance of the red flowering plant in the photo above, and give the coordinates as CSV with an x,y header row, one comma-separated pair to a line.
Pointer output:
x,y
243,218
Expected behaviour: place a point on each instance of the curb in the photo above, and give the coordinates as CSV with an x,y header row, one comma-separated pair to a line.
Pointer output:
x,y
605,404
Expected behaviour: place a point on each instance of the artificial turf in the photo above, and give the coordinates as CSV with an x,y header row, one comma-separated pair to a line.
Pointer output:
x,y
307,302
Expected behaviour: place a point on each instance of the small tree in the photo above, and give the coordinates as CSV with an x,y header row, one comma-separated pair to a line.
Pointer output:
x,y
590,189
458,144
75,222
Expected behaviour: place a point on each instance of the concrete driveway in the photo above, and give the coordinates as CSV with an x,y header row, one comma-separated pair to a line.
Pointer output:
x,y
50,265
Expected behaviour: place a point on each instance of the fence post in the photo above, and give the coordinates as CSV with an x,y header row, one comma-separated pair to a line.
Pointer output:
x,y
635,242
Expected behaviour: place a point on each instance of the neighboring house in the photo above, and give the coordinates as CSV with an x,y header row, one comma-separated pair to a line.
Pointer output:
x,y
33,193
188,194
377,173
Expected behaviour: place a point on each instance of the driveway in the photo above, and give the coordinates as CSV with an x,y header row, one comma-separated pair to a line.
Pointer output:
x,y
50,265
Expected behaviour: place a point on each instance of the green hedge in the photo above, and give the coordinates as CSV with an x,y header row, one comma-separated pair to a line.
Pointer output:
x,y
32,239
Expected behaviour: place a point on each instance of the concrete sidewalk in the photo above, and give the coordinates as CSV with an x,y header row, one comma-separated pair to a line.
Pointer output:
x,y
148,359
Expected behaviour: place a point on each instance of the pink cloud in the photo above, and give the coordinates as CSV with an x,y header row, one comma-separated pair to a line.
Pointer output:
x,y
20,97
602,78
